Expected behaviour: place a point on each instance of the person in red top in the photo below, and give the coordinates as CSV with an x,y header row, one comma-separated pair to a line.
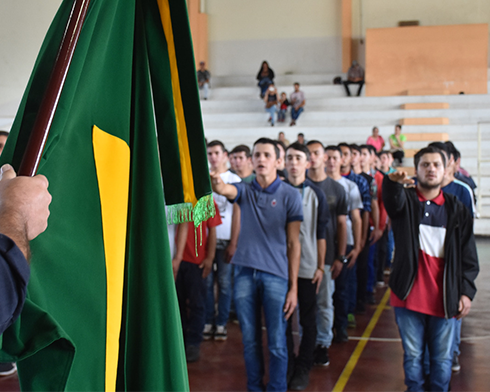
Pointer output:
x,y
196,263
434,269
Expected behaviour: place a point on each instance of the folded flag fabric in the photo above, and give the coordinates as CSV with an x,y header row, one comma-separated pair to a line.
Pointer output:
x,y
126,139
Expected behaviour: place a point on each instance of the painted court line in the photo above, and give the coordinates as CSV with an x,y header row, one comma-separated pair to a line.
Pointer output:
x,y
351,364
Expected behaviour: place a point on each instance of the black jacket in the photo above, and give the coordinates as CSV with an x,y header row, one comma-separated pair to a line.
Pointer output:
x,y
461,260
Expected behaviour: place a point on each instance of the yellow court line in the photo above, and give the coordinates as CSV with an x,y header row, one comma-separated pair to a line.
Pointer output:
x,y
351,364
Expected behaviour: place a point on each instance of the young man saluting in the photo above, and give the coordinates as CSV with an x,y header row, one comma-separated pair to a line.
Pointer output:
x,y
434,267
266,263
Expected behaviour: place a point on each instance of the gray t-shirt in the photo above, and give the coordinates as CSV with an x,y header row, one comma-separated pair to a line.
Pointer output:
x,y
337,205
354,201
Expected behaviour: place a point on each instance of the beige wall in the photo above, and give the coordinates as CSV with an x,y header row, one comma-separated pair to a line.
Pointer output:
x,y
368,14
23,25
293,36
424,60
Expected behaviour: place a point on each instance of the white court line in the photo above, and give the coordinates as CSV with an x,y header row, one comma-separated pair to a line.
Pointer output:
x,y
466,339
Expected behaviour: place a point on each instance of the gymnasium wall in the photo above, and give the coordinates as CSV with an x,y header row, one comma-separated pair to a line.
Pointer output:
x,y
23,25
370,14
293,36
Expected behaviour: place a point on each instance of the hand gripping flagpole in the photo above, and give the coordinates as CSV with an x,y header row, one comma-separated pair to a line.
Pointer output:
x,y
39,135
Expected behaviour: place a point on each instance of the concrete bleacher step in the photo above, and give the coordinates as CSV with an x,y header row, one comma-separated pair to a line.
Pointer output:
x,y
425,121
288,79
346,118
425,105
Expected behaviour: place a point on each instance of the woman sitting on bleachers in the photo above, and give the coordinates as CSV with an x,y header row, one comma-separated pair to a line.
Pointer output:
x,y
265,78
397,141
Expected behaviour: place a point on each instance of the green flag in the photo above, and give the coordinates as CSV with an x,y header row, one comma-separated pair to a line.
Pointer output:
x,y
101,312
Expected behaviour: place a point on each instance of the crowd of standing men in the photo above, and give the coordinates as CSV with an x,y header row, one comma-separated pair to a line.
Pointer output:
x,y
313,226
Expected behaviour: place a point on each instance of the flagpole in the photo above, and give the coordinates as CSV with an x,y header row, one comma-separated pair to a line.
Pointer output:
x,y
47,110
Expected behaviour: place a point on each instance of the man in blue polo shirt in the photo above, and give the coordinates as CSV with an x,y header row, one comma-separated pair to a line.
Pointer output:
x,y
266,263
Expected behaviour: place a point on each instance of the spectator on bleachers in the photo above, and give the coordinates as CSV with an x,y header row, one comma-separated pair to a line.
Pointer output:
x,y
355,75
243,163
283,107
203,77
265,78
376,140
397,142
297,100
301,138
282,138
271,100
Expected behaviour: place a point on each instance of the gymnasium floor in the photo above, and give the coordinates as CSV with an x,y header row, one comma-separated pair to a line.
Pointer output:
x,y
370,361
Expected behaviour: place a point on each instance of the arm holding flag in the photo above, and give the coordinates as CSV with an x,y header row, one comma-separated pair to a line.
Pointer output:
x,y
24,211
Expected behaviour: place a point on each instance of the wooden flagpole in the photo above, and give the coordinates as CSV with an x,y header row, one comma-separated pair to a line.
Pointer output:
x,y
47,110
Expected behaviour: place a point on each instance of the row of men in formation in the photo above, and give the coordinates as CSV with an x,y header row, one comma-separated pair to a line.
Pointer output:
x,y
314,227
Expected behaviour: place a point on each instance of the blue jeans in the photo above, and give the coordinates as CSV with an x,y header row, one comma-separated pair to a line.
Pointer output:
x,y
295,113
264,85
391,247
416,331
457,337
371,280
223,274
272,112
281,114
324,317
255,290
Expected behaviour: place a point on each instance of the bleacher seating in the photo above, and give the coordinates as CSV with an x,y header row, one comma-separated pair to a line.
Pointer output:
x,y
235,115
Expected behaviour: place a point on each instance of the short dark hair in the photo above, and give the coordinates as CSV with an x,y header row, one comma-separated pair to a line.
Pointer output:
x,y
215,143
441,146
429,150
295,83
385,152
343,144
280,143
241,148
301,134
450,147
4,133
299,147
315,142
398,126
334,148
371,149
356,147
266,140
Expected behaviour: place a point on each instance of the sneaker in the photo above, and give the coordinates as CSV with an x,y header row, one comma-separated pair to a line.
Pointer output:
x,y
380,284
208,332
455,367
320,356
221,333
6,369
341,336
300,379
351,321
192,353
370,299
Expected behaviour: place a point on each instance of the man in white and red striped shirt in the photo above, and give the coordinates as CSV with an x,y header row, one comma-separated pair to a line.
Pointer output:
x,y
434,267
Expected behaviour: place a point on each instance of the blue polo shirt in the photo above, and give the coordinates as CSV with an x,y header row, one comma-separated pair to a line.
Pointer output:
x,y
265,213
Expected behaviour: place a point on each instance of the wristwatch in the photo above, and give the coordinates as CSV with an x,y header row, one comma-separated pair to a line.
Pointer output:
x,y
343,259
